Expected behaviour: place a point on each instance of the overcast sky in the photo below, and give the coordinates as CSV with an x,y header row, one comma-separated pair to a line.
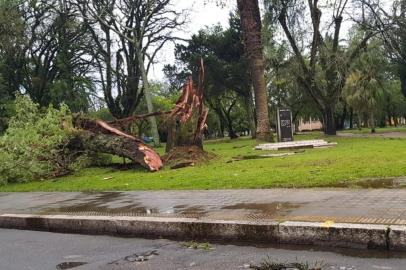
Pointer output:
x,y
206,13
201,15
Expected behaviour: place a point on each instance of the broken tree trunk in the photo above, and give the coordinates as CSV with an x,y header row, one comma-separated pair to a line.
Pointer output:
x,y
188,118
99,136
187,122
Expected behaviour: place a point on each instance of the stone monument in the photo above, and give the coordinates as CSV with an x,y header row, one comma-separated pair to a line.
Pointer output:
x,y
285,127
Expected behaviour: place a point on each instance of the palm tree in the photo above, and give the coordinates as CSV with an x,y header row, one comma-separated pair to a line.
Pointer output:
x,y
364,93
251,26
364,87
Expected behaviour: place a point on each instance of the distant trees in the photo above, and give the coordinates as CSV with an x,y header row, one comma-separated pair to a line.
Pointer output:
x,y
54,67
372,90
365,85
42,53
325,67
391,25
394,103
227,81
43,48
72,51
286,92
11,53
132,33
63,51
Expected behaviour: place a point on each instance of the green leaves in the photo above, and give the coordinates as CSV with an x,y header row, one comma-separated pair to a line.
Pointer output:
x,y
365,84
34,145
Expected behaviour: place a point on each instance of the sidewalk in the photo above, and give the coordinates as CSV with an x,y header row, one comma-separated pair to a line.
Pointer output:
x,y
359,217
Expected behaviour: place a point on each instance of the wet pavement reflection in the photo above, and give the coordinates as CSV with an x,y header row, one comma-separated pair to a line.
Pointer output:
x,y
374,206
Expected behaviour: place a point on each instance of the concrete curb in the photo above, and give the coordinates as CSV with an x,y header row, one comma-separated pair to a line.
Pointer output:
x,y
288,232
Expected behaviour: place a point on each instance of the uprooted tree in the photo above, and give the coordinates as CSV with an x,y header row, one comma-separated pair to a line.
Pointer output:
x,y
49,142
186,123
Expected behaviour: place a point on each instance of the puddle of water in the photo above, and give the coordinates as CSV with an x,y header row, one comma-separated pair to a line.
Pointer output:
x,y
399,182
197,210
271,209
69,265
117,203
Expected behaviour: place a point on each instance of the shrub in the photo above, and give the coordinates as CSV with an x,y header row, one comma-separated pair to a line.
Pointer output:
x,y
36,144
33,144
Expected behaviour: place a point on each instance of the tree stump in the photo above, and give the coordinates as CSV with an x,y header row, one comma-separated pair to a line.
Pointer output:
x,y
188,119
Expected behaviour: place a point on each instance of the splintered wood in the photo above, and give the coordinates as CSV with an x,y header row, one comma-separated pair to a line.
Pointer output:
x,y
191,104
107,137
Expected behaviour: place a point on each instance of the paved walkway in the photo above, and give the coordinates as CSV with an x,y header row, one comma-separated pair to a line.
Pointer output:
x,y
369,206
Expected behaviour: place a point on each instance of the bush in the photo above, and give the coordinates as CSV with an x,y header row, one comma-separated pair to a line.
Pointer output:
x,y
34,142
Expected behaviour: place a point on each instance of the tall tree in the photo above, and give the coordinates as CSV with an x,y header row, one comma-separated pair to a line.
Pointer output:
x,y
132,33
251,26
392,28
286,91
394,104
11,56
325,65
48,59
365,85
227,81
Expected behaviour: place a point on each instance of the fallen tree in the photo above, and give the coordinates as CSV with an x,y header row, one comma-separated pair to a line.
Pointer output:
x,y
41,143
98,136
186,123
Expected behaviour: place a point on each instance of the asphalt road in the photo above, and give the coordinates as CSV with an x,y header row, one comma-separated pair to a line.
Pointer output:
x,y
24,250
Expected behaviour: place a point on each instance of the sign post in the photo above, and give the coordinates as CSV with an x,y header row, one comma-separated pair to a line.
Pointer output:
x,y
285,129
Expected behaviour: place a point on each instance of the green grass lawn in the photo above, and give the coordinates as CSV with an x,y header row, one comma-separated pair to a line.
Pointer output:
x,y
350,160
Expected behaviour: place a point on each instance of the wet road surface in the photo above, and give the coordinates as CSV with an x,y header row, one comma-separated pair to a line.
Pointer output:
x,y
373,206
27,250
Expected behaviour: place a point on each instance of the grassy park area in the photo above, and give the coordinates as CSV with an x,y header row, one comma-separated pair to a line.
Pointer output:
x,y
378,130
352,160
99,93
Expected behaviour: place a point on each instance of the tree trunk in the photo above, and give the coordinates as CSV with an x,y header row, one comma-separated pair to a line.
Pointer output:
x,y
99,136
148,98
221,126
343,117
231,132
365,121
250,115
171,137
222,121
190,115
351,118
182,134
372,122
118,145
251,26
359,119
402,71
329,121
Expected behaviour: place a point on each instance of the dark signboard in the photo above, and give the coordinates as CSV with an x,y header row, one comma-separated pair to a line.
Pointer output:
x,y
285,128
